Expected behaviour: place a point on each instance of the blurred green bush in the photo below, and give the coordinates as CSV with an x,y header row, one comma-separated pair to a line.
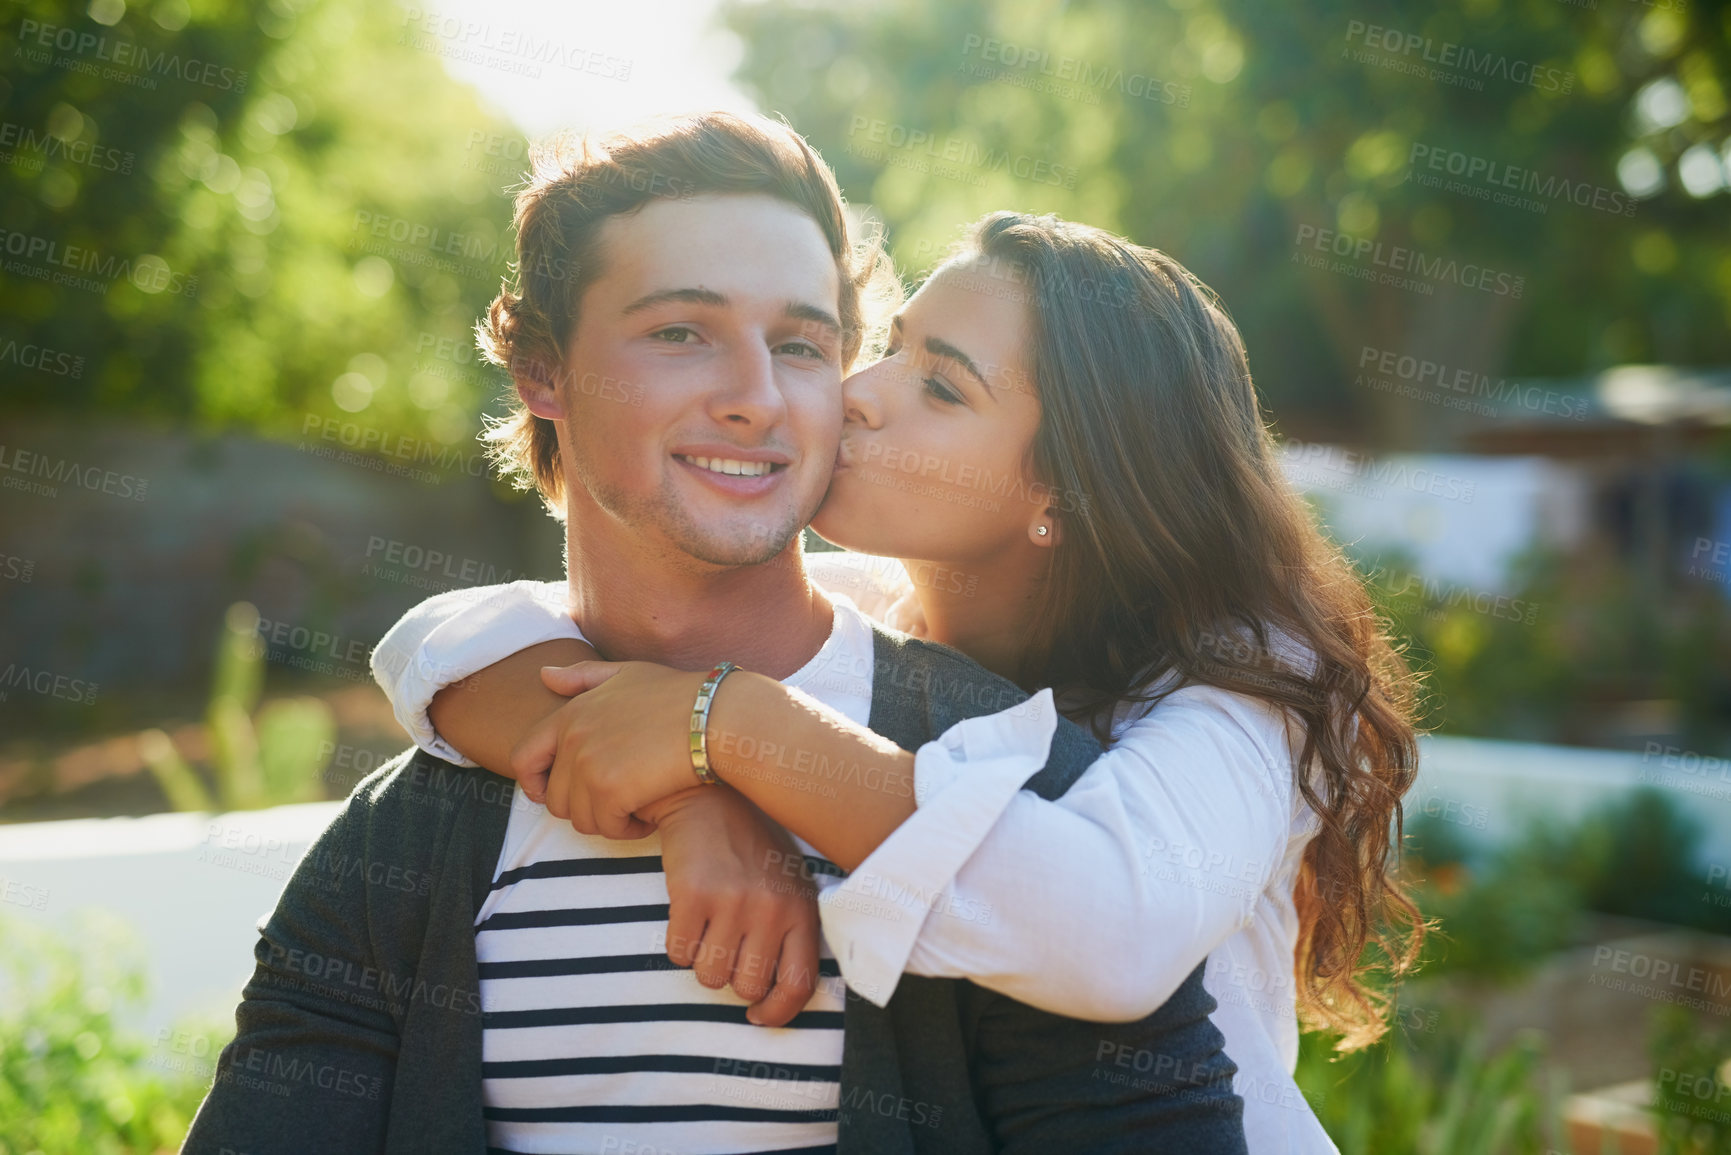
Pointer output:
x,y
72,1081
1444,1096
1692,1091
1501,910
269,760
1591,635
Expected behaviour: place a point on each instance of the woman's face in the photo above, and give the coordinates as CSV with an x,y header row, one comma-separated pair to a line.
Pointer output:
x,y
934,462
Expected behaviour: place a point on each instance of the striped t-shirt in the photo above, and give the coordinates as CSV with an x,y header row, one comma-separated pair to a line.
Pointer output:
x,y
594,1044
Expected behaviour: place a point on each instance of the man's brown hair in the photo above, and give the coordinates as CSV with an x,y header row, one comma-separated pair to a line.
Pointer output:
x,y
577,184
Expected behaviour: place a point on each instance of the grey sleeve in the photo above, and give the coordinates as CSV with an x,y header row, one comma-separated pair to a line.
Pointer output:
x,y
1043,1082
315,1047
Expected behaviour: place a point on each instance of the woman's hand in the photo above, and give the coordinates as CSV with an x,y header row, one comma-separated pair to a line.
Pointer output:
x,y
621,743
742,908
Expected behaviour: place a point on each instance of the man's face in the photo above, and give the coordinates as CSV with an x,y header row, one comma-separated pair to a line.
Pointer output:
x,y
702,398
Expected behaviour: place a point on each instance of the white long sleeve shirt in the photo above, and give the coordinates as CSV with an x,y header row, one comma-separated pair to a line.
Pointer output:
x,y
1182,841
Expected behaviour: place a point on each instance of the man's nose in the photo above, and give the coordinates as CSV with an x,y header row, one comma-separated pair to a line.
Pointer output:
x,y
749,394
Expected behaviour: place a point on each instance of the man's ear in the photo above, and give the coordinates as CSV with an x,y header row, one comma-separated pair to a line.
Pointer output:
x,y
536,385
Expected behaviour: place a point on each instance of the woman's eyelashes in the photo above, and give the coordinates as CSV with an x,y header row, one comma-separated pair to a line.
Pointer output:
x,y
939,391
935,387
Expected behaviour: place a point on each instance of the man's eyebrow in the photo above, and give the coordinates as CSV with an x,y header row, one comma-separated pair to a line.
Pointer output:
x,y
680,296
813,314
709,297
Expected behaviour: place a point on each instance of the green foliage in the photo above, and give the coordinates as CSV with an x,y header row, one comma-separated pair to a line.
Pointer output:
x,y
1634,856
264,762
1692,1092
1429,1095
1544,662
256,186
1498,921
1262,120
71,1081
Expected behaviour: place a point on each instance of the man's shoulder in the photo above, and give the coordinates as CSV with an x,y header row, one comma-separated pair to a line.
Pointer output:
x,y
921,688
407,777
416,820
416,796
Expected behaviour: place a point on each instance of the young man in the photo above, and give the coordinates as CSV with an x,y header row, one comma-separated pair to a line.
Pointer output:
x,y
688,301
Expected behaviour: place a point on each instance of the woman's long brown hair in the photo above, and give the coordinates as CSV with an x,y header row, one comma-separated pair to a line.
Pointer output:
x,y
1187,558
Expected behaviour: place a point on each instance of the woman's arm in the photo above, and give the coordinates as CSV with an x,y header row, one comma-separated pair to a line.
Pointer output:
x,y
454,635
1096,905
623,742
485,713
462,672
479,640
1043,901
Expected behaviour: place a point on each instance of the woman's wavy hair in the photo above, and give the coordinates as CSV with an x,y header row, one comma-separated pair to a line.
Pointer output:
x,y
1187,558
576,184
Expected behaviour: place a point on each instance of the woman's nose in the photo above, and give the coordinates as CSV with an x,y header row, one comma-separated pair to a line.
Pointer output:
x,y
861,399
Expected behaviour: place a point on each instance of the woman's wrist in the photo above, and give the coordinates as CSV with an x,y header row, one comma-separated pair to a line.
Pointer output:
x,y
734,735
700,711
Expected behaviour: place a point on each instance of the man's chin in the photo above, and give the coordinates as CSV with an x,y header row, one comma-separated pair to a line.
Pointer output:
x,y
750,545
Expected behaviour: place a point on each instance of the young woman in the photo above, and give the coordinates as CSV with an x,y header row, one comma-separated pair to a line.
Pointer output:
x,y
1063,448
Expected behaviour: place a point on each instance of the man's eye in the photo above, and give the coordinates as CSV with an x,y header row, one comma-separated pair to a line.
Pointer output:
x,y
674,334
942,392
802,348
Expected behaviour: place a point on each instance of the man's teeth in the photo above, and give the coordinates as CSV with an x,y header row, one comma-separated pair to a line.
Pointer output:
x,y
728,465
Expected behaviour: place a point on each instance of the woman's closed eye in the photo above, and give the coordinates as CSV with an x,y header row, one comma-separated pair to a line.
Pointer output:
x,y
939,391
935,387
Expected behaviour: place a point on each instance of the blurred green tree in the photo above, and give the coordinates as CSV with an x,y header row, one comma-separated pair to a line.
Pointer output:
x,y
270,213
1218,129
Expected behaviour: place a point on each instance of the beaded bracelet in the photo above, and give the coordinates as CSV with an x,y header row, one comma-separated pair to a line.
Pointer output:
x,y
700,723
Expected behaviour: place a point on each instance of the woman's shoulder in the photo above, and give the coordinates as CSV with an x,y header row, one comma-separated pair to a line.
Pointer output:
x,y
1169,711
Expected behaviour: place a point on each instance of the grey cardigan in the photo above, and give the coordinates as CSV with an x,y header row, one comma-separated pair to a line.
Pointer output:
x,y
360,1030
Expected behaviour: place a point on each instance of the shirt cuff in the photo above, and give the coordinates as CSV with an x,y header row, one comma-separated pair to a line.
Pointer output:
x,y
524,614
962,783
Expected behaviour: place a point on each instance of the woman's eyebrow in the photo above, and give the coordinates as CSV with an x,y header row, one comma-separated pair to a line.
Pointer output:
x,y
939,347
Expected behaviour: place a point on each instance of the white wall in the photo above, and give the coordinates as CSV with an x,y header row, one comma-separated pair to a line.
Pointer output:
x,y
193,886
1461,518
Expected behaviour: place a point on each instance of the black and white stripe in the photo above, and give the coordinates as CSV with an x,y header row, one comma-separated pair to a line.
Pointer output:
x,y
594,1043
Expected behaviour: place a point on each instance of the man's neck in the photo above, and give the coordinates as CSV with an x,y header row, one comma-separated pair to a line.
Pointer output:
x,y
634,603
